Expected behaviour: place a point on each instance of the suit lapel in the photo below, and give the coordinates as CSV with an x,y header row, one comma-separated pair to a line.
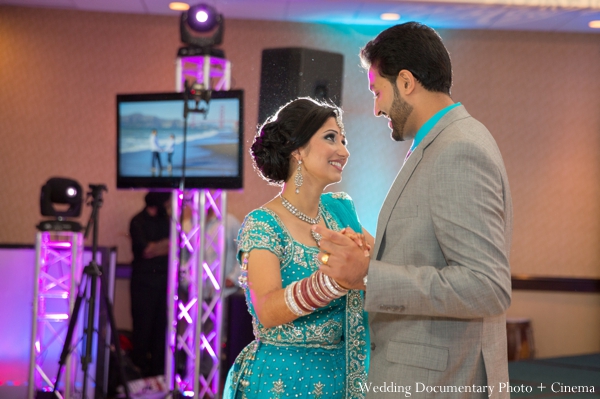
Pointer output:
x,y
394,194
407,170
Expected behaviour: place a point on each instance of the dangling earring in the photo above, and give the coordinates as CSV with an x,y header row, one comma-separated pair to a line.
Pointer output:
x,y
298,179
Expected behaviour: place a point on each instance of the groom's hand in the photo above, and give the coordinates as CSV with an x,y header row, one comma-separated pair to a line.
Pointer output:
x,y
358,238
346,262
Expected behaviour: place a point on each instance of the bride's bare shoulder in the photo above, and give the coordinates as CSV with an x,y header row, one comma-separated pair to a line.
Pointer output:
x,y
274,205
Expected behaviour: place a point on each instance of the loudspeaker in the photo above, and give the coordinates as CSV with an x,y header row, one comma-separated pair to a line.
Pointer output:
x,y
288,73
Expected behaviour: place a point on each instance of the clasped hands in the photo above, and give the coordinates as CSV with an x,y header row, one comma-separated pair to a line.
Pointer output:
x,y
344,256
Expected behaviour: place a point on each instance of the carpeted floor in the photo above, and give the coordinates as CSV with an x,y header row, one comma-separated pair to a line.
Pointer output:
x,y
572,377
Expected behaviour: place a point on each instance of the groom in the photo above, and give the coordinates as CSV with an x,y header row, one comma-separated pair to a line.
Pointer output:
x,y
438,279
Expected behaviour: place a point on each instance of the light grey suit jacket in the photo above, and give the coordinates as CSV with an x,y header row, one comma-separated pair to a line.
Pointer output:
x,y
439,280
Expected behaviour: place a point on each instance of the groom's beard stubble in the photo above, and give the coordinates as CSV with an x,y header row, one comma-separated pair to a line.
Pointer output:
x,y
399,113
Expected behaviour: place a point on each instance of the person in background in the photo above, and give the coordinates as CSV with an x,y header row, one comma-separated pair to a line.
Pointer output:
x,y
149,232
156,149
169,148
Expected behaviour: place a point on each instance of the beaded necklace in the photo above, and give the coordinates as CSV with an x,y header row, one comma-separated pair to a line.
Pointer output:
x,y
304,217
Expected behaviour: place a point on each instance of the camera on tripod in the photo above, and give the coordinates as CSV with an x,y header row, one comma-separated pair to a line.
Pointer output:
x,y
97,190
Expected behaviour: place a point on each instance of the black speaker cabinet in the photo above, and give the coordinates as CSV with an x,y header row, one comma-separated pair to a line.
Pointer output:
x,y
288,73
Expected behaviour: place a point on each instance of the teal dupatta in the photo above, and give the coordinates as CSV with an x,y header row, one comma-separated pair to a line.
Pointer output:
x,y
357,322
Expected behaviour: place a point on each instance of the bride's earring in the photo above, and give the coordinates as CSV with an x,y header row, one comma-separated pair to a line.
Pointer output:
x,y
298,179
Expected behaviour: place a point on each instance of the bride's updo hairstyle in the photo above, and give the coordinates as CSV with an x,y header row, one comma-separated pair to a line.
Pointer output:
x,y
286,131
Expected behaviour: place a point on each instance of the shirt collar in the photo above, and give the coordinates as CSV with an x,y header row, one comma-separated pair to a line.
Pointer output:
x,y
427,126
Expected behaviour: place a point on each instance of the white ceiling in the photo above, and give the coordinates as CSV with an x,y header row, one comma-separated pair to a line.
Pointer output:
x,y
538,15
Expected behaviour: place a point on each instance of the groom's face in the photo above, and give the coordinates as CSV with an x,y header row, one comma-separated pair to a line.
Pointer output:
x,y
388,102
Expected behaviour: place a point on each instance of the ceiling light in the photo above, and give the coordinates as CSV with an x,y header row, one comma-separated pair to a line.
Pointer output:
x,y
177,6
594,24
390,16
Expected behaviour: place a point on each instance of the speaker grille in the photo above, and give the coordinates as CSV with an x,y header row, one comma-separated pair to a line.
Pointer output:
x,y
288,73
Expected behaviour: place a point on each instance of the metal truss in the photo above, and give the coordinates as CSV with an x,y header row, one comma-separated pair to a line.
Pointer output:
x,y
213,72
196,276
58,269
196,265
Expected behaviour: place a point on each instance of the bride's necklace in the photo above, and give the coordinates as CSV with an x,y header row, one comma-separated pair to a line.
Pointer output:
x,y
304,217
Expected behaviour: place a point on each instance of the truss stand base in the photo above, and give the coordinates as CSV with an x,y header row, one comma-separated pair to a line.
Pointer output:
x,y
59,225
194,51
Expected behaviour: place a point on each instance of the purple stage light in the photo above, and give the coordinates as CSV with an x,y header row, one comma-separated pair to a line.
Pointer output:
x,y
201,28
59,244
202,18
59,190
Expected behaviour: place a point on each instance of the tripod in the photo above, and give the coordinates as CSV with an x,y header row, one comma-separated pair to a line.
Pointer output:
x,y
91,274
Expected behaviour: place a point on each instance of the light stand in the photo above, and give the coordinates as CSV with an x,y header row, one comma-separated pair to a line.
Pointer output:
x,y
91,274
198,93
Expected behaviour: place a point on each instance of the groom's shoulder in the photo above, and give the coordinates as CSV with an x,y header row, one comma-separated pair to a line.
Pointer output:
x,y
465,130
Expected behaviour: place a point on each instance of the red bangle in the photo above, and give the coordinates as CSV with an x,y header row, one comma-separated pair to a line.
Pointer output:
x,y
301,304
324,287
315,295
306,295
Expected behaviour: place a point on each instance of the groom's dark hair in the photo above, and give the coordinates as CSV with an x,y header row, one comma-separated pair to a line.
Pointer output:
x,y
414,47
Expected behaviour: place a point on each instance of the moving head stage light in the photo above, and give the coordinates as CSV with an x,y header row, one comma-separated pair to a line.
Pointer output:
x,y
60,198
195,25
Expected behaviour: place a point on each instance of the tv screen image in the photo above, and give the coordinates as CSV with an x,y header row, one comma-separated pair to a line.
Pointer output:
x,y
150,141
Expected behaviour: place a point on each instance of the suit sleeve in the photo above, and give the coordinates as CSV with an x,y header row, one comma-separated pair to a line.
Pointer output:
x,y
467,207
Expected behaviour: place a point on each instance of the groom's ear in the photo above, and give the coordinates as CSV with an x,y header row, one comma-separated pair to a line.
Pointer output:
x,y
406,82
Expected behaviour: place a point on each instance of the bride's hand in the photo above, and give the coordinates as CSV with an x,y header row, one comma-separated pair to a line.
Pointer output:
x,y
358,238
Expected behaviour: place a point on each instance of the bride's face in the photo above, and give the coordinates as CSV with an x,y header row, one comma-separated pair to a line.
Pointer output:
x,y
325,155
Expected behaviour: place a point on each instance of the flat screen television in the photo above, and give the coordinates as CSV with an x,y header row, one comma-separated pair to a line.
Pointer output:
x,y
150,141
